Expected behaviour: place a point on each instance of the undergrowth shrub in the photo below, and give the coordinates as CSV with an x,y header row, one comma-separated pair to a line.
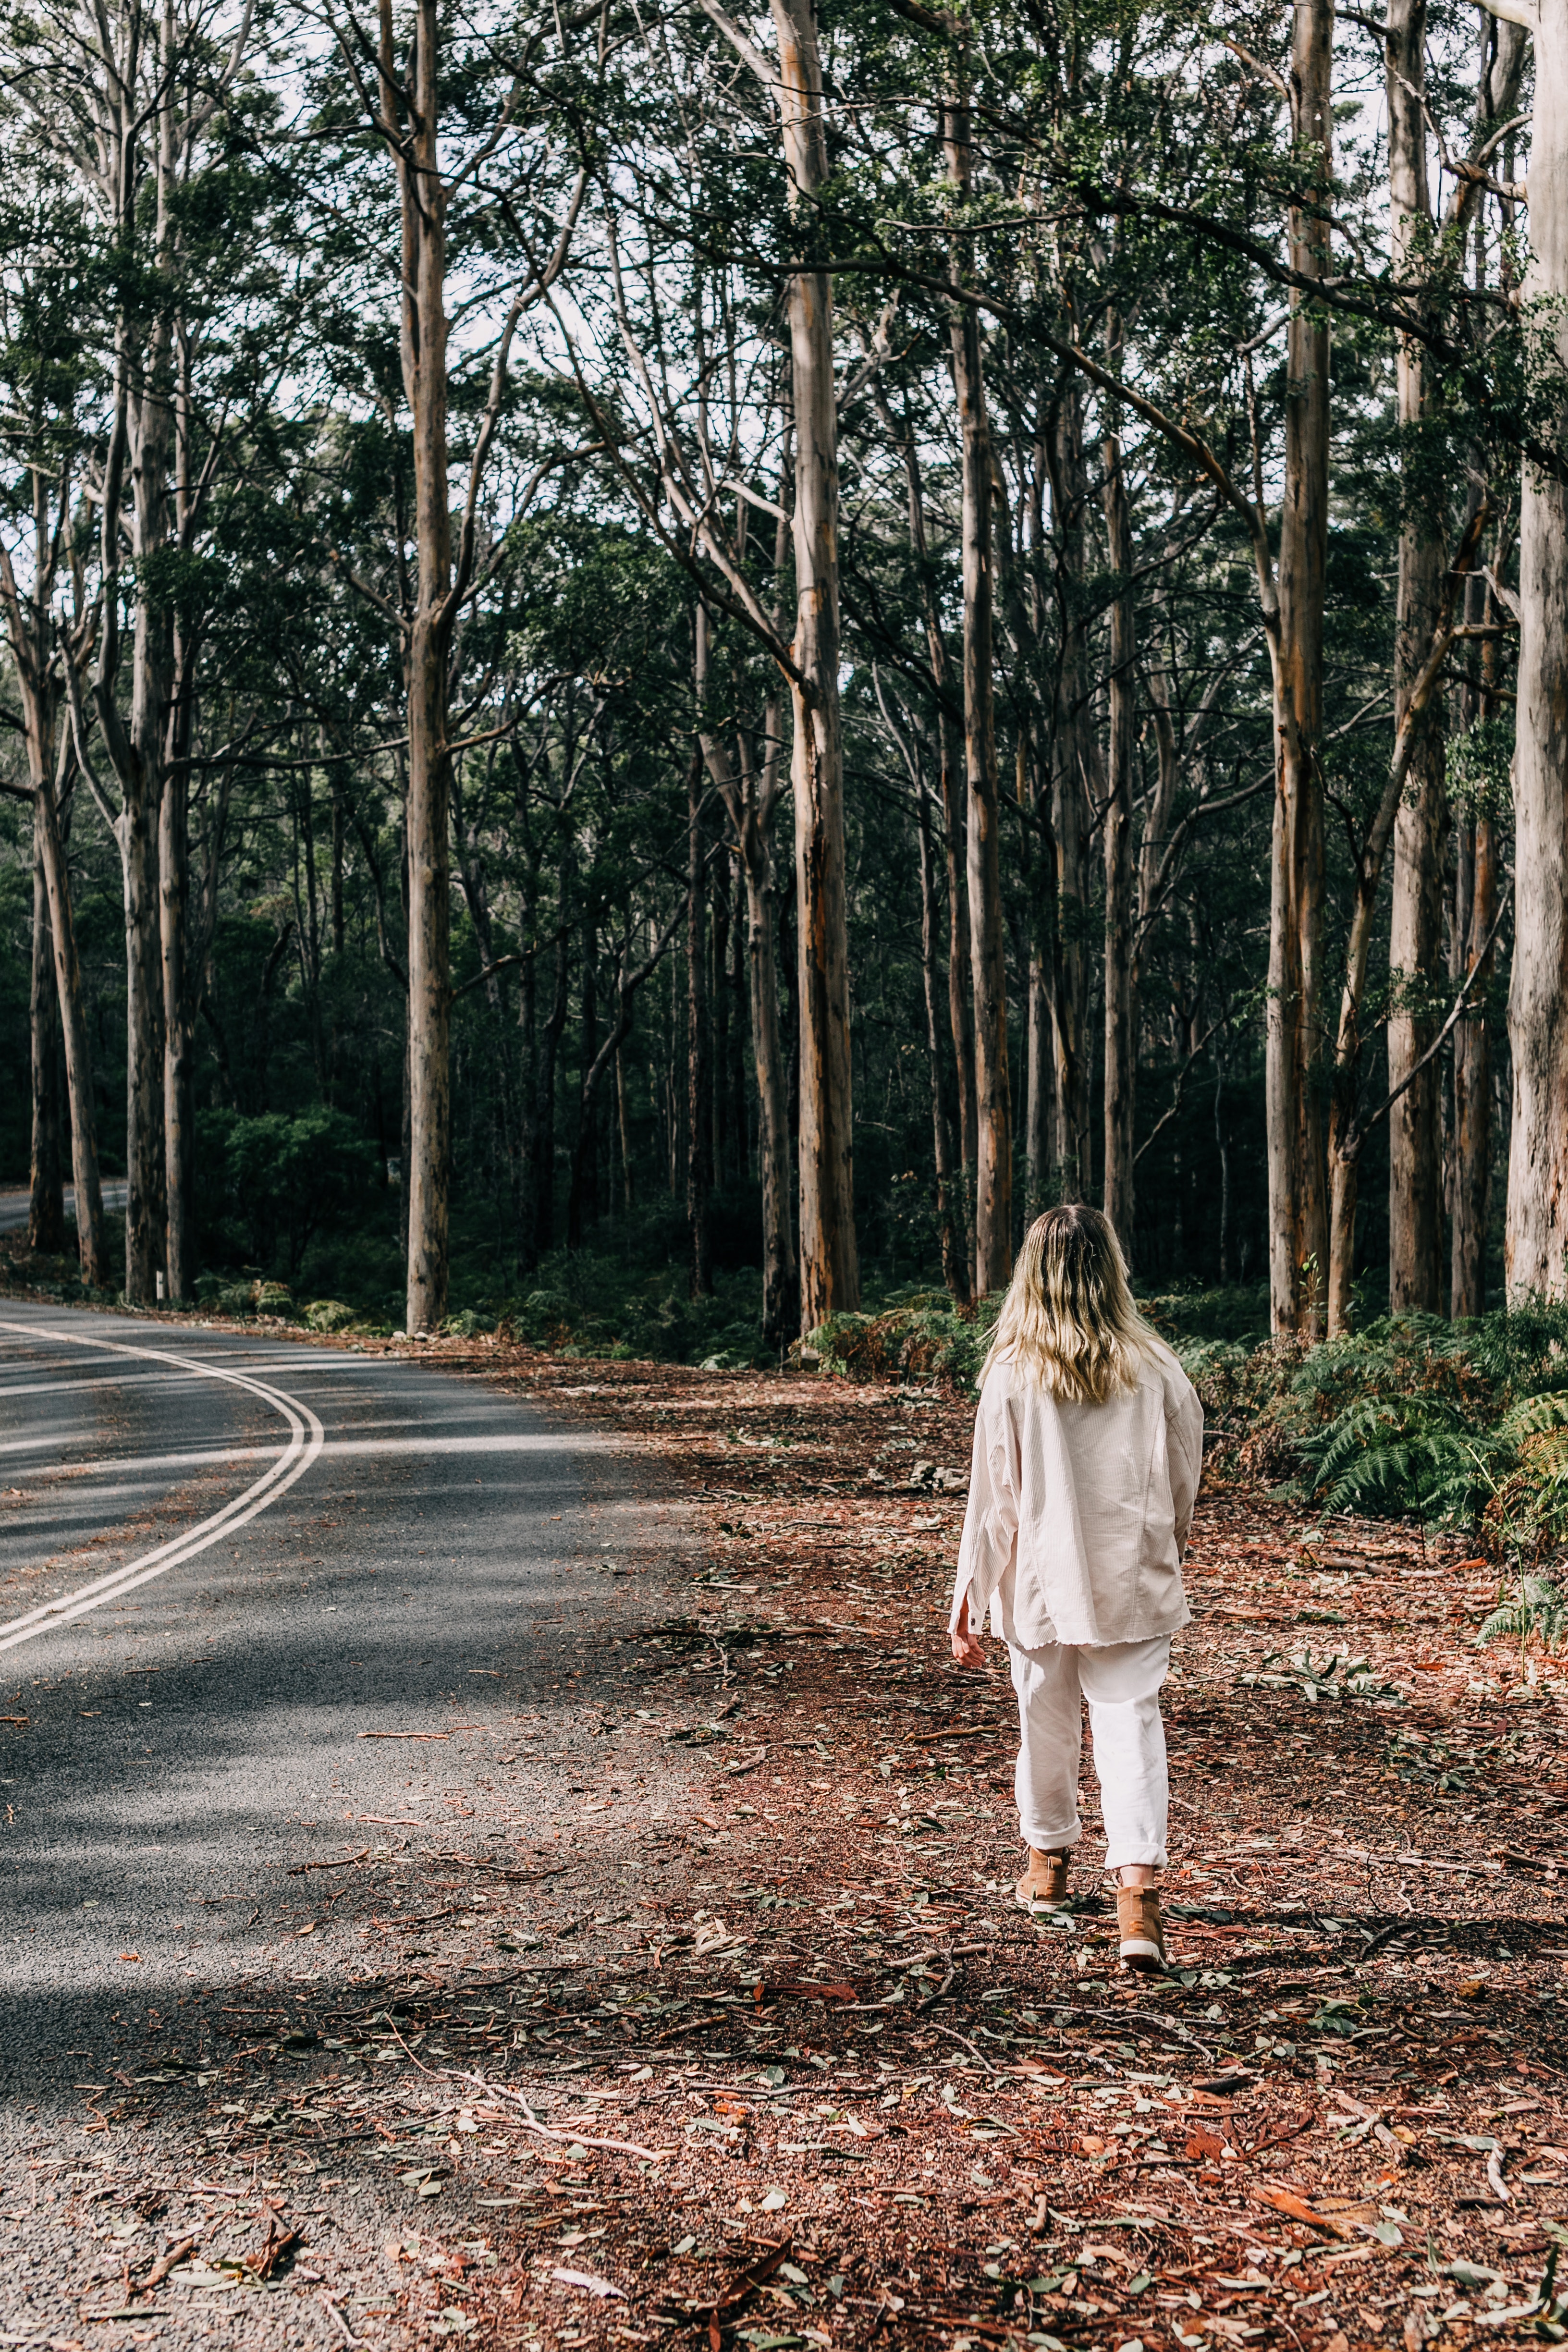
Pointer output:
x,y
1450,1423
590,1304
917,1336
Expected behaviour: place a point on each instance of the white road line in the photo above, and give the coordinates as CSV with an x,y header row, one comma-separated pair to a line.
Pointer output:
x,y
305,1439
104,1380
113,1464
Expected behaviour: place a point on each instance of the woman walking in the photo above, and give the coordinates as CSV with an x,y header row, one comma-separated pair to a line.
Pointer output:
x,y
1087,1449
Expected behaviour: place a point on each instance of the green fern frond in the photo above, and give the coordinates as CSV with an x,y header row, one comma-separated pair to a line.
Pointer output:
x,y
1535,1416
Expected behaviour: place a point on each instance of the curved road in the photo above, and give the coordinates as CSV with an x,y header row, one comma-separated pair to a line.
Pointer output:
x,y
225,1560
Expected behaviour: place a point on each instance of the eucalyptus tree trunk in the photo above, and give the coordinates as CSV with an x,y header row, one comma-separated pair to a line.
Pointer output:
x,y
1298,1221
1414,1204
830,1263
994,1111
1073,763
1536,1234
1475,861
424,353
1120,977
46,1199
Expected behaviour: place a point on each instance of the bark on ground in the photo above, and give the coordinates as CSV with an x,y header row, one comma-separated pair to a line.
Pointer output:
x,y
787,2066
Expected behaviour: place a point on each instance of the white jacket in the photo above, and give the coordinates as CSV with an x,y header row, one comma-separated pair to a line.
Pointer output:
x,y
1078,1514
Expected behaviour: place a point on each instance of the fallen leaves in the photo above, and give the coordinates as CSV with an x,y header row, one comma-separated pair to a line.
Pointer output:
x,y
167,2263
1286,2200
588,2283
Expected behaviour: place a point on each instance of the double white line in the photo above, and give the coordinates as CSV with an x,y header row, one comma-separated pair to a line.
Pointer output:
x,y
305,1439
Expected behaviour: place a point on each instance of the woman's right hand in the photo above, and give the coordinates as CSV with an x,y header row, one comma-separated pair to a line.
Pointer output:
x,y
967,1648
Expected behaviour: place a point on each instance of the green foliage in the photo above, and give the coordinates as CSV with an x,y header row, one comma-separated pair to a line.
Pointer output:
x,y
920,1336
590,1304
1452,1424
1395,1455
269,1184
1479,763
1540,1605
329,1315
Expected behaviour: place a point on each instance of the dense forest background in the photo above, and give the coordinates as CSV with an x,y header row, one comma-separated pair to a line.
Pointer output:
x,y
657,659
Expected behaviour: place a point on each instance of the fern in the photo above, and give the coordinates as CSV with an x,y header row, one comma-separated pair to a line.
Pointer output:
x,y
1411,1454
1540,1606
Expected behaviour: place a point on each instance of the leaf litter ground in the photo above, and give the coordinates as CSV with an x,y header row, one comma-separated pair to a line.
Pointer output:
x,y
717,2026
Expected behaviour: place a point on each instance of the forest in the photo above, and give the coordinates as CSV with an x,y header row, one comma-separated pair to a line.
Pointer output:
x,y
700,658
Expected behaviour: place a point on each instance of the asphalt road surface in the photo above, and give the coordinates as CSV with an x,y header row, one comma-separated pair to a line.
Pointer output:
x,y
235,1576
16,1203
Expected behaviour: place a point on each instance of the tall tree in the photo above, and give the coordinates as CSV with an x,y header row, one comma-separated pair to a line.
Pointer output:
x,y
47,626
403,104
1297,1219
983,810
1415,1204
1121,950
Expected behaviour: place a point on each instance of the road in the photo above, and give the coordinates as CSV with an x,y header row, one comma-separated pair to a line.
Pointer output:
x,y
16,1201
236,1575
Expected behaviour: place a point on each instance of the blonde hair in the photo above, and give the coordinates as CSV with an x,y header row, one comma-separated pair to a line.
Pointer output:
x,y
1068,1315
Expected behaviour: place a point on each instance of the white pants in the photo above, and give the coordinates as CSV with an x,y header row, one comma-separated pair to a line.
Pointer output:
x,y
1121,1682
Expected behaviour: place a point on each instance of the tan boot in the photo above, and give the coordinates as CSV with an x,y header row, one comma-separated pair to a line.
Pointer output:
x,y
1141,1928
1044,1882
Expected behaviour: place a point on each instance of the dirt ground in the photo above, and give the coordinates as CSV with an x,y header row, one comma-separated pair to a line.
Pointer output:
x,y
740,2038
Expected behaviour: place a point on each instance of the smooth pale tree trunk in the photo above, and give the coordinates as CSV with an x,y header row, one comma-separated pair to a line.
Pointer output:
x,y
1414,1203
424,355
829,1262
1298,1211
1120,1007
1536,1236
1475,877
994,1112
46,1201
1073,765
1503,59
